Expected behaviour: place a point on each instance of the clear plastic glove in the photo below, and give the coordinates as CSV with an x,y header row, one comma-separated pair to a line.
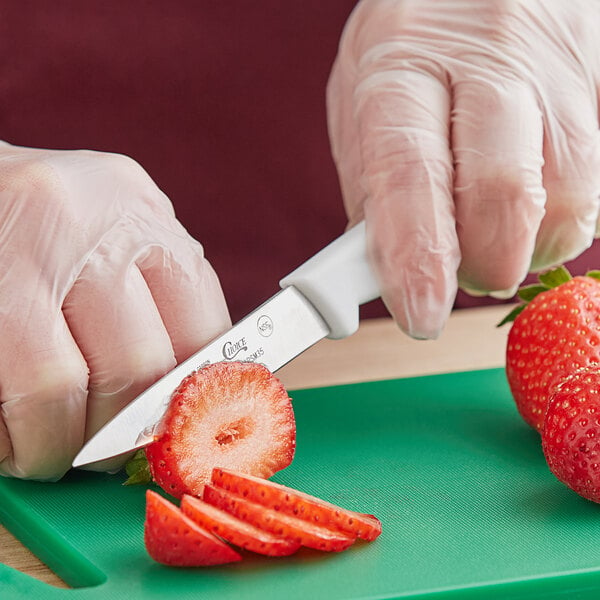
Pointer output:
x,y
466,133
102,291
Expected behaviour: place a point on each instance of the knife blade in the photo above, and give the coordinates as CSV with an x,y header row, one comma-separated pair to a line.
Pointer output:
x,y
319,299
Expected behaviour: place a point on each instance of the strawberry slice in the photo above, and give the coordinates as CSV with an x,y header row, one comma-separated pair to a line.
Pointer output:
x,y
285,526
295,503
232,414
237,532
173,539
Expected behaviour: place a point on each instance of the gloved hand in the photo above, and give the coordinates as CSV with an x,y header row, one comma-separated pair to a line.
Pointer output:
x,y
466,133
102,291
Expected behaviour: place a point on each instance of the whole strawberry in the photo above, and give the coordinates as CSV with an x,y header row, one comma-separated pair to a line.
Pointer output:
x,y
571,435
554,334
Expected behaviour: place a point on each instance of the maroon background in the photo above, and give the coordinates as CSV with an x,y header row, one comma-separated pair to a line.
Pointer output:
x,y
223,103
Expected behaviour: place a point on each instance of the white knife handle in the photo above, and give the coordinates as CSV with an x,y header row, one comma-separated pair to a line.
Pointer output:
x,y
337,280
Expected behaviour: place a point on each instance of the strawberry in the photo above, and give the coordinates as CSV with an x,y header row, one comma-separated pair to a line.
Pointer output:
x,y
173,539
556,332
297,530
297,504
230,413
237,532
195,533
571,434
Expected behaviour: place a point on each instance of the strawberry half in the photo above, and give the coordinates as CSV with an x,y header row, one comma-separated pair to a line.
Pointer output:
x,y
237,532
297,504
553,335
234,414
290,528
173,539
571,435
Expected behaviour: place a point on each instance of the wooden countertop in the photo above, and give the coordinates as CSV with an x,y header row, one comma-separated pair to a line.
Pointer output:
x,y
377,351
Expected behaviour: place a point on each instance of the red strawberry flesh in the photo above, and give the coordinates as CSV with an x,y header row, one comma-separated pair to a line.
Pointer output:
x,y
230,413
235,531
288,527
173,539
297,504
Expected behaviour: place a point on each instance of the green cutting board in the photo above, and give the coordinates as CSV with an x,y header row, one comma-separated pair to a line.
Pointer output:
x,y
468,506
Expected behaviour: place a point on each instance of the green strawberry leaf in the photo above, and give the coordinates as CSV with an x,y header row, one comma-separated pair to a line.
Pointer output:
x,y
547,281
513,314
138,469
555,277
529,292
594,274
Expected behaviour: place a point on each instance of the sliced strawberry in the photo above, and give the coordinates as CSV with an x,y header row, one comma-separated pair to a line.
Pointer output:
x,y
237,532
173,539
285,526
231,414
295,503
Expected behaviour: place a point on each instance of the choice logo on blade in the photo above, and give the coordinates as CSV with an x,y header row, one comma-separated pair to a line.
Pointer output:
x,y
231,349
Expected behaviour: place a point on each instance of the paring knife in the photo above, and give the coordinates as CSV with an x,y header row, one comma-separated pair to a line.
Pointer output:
x,y
319,299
